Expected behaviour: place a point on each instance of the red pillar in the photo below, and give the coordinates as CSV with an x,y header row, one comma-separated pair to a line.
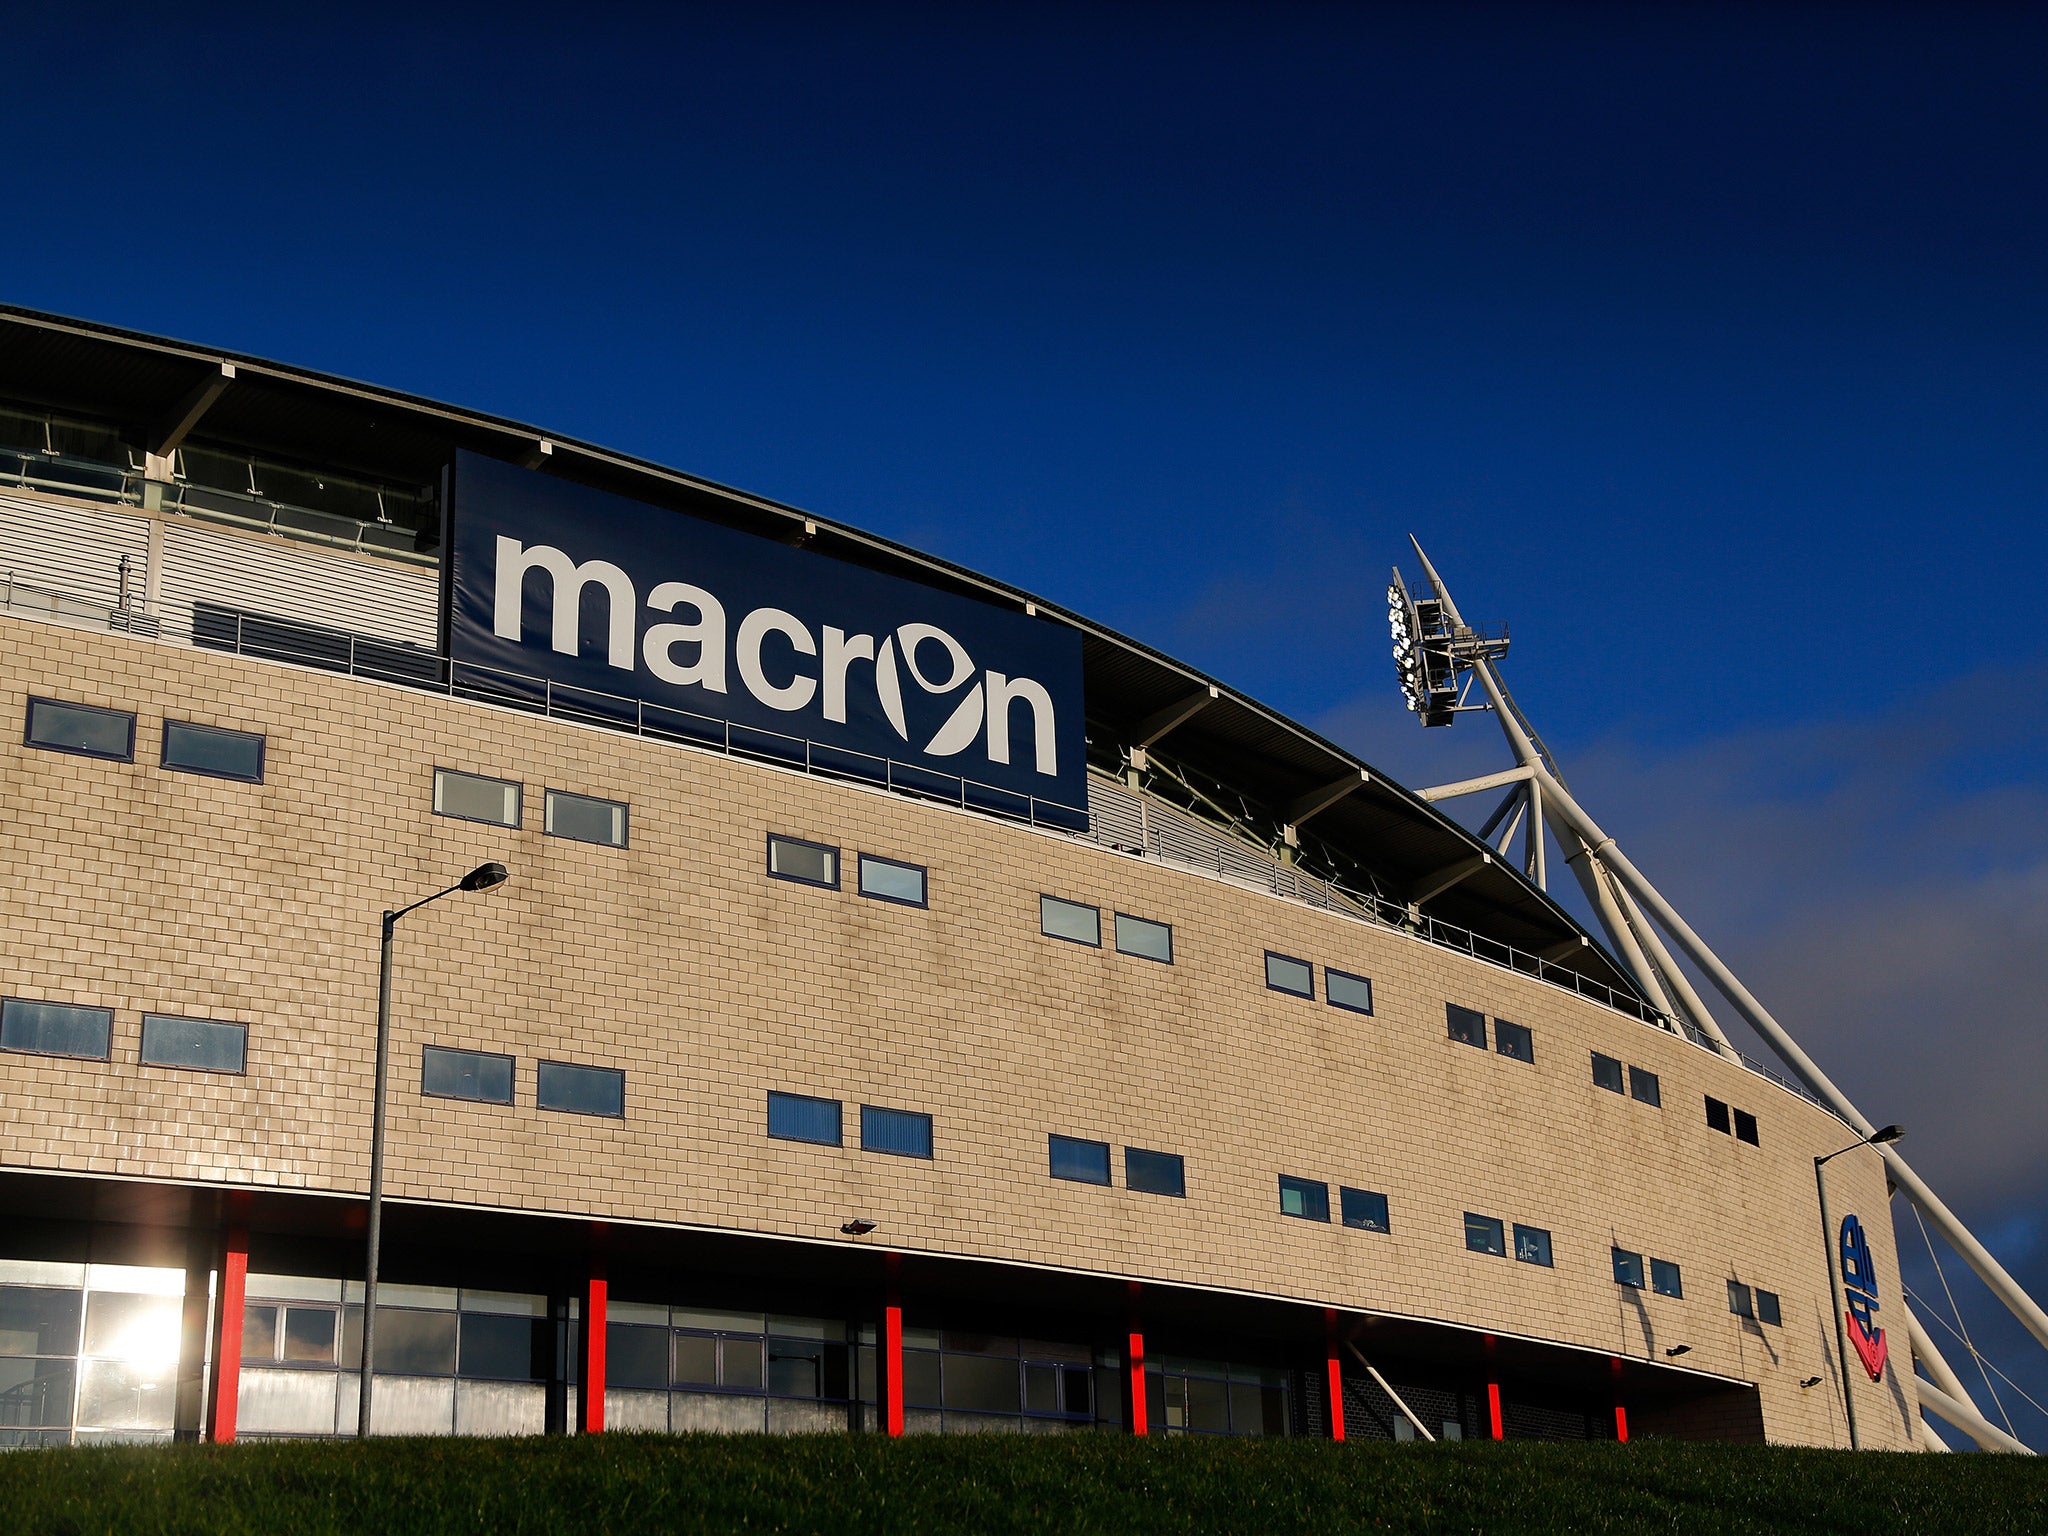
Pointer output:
x,y
1336,1373
590,1349
892,1349
227,1335
1621,1423
1134,1380
1493,1409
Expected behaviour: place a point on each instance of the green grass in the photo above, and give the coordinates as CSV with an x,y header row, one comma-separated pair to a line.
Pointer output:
x,y
835,1484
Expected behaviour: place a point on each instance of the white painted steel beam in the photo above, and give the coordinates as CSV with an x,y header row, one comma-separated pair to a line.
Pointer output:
x,y
1484,782
1969,1421
172,433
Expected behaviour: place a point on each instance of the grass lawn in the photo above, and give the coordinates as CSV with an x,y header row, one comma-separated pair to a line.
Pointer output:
x,y
1083,1483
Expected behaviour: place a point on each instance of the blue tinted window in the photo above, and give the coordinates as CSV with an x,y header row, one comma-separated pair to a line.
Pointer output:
x,y
211,750
1343,990
82,728
1628,1268
1286,974
1606,1073
201,1044
1085,1162
1665,1279
892,880
1468,1025
1514,1040
1305,1198
482,1076
581,1090
56,1029
1532,1245
1767,1308
1485,1234
1643,1085
899,1132
796,1117
1155,1173
1364,1208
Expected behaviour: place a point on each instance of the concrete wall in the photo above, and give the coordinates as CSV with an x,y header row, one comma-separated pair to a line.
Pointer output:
x,y
678,960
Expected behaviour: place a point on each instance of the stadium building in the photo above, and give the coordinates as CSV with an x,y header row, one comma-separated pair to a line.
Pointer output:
x,y
912,1007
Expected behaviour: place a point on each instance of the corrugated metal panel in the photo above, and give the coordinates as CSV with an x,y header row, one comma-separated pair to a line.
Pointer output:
x,y
71,548
392,602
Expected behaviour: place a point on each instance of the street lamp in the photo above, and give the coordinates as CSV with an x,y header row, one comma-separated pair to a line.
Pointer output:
x,y
1879,1138
483,878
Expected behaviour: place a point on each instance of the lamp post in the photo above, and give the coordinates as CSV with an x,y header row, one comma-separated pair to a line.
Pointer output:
x,y
483,878
1877,1138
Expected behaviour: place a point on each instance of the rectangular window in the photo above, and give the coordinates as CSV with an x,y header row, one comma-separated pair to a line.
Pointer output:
x,y
1767,1308
1155,1173
482,1076
1532,1246
1287,975
899,1132
1643,1086
1485,1234
1628,1268
585,818
1468,1025
1343,990
1363,1208
1606,1073
209,749
797,1117
1745,1127
1664,1278
1144,938
1514,1040
1070,920
580,1090
1305,1198
82,728
472,797
1717,1117
891,880
56,1029
203,1045
1084,1162
1738,1300
791,858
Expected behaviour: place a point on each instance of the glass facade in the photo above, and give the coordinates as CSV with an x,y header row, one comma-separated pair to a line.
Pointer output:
x,y
1214,1397
88,1352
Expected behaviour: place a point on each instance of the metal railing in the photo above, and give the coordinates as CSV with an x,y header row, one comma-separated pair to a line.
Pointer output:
x,y
1179,842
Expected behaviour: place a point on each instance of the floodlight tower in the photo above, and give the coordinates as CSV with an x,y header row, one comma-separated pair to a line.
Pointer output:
x,y
1439,658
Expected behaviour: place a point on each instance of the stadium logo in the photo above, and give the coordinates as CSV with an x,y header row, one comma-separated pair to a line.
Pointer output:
x,y
1859,1284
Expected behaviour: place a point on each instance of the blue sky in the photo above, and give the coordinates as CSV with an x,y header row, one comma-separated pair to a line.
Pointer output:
x,y
1702,344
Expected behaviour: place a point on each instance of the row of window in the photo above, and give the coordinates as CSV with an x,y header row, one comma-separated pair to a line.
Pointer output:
x,y
1758,1305
90,731
1732,1122
65,1029
809,863
1642,1085
500,803
897,1132
485,1077
1664,1278
1079,923
1488,1234
1468,1027
1341,989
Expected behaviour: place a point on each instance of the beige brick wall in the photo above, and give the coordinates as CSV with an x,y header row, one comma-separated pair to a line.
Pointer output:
x,y
127,886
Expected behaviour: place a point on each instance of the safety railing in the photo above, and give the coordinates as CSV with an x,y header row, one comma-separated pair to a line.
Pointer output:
x,y
1164,833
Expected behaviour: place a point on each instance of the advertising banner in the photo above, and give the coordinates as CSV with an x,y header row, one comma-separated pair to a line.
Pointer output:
x,y
713,632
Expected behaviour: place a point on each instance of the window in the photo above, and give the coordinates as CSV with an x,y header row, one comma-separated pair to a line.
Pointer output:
x,y
1286,975
1606,1073
1363,1208
791,858
472,797
1070,920
889,880
1084,1162
1532,1246
1485,1234
1738,1300
1514,1040
1468,1025
1305,1198
56,1029
1745,1127
796,1117
581,1090
1343,990
1767,1308
585,818
1155,1173
200,1044
1642,1086
482,1076
1144,938
210,750
1717,1117
1664,1279
899,1132
1628,1268
82,728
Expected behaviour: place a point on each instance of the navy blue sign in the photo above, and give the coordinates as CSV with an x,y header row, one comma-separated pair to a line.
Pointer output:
x,y
704,625
1859,1291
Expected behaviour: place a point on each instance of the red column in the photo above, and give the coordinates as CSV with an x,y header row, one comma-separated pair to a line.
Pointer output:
x,y
1336,1373
892,1349
1493,1409
227,1335
590,1350
1134,1380
1621,1423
